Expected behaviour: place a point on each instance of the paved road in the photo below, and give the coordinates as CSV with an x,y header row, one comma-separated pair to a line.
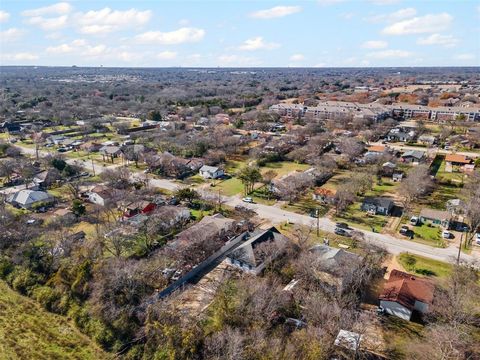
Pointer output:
x,y
390,243
430,150
277,215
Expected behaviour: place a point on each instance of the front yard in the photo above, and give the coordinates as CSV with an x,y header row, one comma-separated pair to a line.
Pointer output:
x,y
423,266
356,217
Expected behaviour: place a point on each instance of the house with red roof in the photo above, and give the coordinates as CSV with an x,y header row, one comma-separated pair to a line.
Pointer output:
x,y
404,293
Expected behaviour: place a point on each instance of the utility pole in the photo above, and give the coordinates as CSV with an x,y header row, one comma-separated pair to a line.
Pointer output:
x,y
93,167
460,247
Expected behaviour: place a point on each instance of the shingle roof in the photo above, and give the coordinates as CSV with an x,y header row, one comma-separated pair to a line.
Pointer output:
x,y
405,289
28,197
435,214
456,158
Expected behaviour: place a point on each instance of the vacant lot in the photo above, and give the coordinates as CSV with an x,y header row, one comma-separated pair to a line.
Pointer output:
x,y
424,266
29,332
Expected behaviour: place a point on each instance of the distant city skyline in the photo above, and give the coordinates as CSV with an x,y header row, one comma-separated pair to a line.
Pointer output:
x,y
321,33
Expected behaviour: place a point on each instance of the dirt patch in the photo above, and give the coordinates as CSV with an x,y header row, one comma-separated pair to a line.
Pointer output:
x,y
391,263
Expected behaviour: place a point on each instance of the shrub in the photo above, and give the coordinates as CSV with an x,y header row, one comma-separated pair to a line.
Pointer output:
x,y
47,297
23,280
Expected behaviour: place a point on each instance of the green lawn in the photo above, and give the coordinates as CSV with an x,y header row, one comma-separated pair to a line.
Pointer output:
x,y
29,332
454,176
386,186
398,335
305,206
336,180
425,266
359,218
230,187
430,234
438,198
284,167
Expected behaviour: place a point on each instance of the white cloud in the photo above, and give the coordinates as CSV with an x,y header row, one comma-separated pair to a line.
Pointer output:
x,y
48,24
257,43
166,55
464,57
297,57
4,16
95,51
375,44
387,54
438,39
329,2
395,16
182,35
60,8
60,49
430,23
11,34
23,56
128,56
107,20
276,12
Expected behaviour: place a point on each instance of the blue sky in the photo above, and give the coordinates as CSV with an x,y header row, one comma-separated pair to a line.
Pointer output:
x,y
320,33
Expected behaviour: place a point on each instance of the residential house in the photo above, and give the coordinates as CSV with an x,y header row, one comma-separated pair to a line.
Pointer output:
x,y
427,139
397,176
209,227
100,195
130,209
379,149
261,248
110,152
91,147
404,293
388,168
326,196
377,205
46,178
334,258
399,134
413,156
28,199
436,217
211,172
458,162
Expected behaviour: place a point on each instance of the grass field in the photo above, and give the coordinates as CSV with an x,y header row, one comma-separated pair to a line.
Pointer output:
x,y
430,234
230,187
359,218
29,332
284,167
424,266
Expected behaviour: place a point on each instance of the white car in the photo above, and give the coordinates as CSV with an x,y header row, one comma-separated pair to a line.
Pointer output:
x,y
446,234
414,220
477,238
248,199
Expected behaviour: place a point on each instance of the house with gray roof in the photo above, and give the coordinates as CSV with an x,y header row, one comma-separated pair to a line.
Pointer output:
x,y
255,253
211,172
413,156
377,205
28,199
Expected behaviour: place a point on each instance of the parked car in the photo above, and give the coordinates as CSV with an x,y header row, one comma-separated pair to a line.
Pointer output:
x,y
404,230
446,234
414,220
248,199
477,238
341,232
342,225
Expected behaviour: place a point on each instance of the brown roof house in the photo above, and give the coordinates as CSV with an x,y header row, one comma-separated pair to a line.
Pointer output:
x,y
460,162
403,294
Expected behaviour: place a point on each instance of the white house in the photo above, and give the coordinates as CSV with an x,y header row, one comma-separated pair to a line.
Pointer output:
x,y
211,172
403,294
100,195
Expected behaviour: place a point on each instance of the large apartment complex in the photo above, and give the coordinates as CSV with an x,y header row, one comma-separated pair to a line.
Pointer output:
x,y
376,112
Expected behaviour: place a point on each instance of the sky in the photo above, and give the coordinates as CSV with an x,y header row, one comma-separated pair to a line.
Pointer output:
x,y
316,33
